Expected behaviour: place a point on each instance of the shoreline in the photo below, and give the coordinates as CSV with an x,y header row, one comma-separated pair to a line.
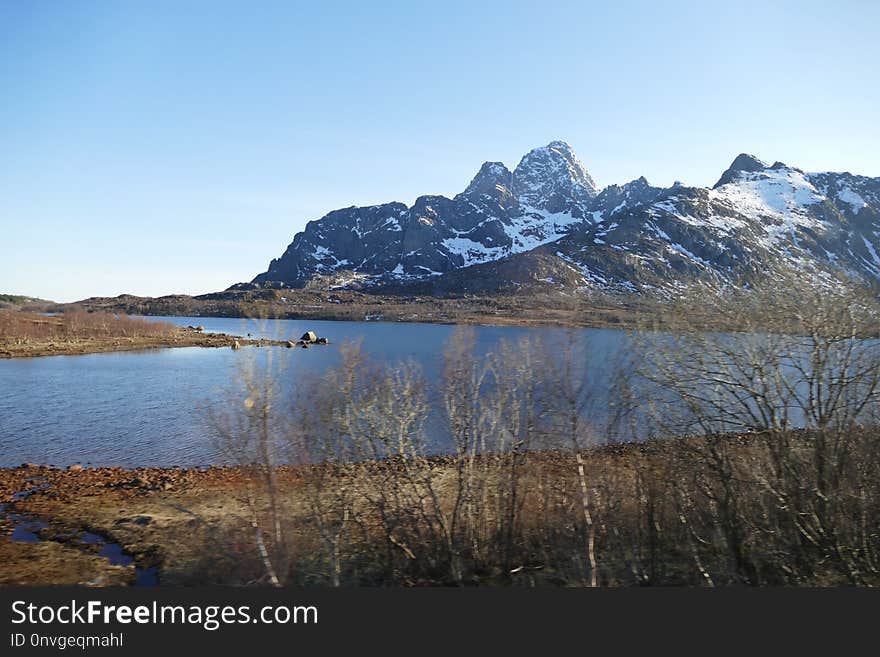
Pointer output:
x,y
79,347
173,526
526,310
158,518
166,519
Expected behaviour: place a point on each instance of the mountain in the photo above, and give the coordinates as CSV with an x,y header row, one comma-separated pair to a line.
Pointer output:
x,y
547,225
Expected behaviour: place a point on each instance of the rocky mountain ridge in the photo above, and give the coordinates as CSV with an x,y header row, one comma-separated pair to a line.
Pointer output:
x,y
546,224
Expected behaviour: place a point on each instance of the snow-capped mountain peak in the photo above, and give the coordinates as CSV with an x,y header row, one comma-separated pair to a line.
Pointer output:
x,y
742,163
552,178
627,238
770,191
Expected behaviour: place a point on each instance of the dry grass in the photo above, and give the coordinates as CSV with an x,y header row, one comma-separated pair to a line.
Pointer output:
x,y
77,332
20,328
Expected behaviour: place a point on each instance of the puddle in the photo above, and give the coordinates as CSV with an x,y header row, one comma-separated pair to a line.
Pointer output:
x,y
147,576
26,529
41,484
114,553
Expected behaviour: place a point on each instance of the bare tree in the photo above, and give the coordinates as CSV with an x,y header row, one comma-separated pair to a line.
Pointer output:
x,y
694,457
572,394
801,377
246,430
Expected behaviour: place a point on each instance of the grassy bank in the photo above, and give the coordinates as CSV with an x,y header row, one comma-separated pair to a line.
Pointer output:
x,y
76,332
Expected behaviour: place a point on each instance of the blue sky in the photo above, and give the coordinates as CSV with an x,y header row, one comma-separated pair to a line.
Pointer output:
x,y
176,147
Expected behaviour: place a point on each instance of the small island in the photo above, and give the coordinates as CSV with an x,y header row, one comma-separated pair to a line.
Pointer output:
x,y
28,334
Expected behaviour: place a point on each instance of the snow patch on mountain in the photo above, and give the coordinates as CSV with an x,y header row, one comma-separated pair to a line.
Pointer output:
x,y
770,193
779,198
722,223
856,202
873,252
471,252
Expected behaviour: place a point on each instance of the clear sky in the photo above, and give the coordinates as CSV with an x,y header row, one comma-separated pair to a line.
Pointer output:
x,y
176,147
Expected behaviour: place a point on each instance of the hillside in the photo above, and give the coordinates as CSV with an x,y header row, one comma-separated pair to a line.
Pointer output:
x,y
21,302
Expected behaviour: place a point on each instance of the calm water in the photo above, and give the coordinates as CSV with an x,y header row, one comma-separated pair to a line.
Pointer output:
x,y
149,408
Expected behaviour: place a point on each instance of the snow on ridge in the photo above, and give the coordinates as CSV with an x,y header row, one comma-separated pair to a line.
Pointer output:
x,y
724,224
529,230
536,227
768,192
780,195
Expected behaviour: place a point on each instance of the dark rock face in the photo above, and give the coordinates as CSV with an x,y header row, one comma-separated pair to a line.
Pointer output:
x,y
545,224
615,198
343,239
742,163
493,179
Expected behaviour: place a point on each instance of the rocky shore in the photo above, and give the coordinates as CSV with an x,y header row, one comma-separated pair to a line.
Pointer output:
x,y
65,526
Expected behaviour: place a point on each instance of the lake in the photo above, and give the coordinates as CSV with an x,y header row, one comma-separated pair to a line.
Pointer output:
x,y
149,408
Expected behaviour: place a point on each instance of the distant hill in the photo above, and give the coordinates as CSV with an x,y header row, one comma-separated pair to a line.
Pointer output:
x,y
22,302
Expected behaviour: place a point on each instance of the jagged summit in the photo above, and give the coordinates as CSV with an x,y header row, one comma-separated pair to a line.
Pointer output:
x,y
552,177
488,178
742,162
551,226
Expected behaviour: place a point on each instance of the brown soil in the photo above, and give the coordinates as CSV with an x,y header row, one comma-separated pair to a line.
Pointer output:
x,y
163,517
50,564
